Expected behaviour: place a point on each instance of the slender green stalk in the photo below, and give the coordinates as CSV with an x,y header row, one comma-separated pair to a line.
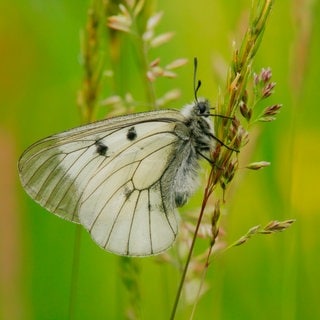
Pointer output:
x,y
92,63
202,281
207,192
87,101
75,272
149,85
139,22
225,161
214,232
142,49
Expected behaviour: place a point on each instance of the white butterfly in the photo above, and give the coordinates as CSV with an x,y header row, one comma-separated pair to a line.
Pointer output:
x,y
122,178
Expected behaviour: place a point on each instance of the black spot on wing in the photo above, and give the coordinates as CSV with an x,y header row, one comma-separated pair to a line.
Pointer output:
x,y
101,148
127,191
132,134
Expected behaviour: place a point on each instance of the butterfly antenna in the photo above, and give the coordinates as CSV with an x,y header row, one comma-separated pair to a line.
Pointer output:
x,y
196,84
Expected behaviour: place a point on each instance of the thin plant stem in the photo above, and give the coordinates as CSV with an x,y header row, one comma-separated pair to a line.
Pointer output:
x,y
225,162
74,271
87,105
214,232
203,277
208,191
142,49
150,89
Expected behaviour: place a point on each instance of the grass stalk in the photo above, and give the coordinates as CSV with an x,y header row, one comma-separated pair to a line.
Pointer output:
x,y
225,160
87,102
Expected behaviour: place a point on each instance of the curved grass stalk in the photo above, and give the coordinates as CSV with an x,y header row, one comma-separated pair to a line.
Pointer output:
x,y
224,159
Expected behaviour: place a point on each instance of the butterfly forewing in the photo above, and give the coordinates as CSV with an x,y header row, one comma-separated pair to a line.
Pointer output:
x,y
109,177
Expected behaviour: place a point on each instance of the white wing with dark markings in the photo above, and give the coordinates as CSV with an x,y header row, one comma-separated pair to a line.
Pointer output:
x,y
108,176
122,178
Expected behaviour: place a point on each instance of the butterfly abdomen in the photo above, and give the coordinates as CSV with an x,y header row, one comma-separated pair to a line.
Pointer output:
x,y
186,180
195,134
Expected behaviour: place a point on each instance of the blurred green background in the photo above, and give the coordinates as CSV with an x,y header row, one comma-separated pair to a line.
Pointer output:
x,y
273,276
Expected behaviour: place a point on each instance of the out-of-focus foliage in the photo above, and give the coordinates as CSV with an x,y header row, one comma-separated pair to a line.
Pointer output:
x,y
272,276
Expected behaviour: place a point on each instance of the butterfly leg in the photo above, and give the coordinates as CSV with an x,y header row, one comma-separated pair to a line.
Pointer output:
x,y
223,144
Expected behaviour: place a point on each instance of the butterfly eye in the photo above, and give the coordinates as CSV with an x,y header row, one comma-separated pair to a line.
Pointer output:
x,y
203,108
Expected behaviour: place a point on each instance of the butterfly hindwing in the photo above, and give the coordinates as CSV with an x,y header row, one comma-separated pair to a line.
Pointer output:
x,y
110,177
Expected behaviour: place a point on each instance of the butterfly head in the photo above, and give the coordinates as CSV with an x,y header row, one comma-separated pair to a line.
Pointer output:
x,y
202,108
198,121
199,109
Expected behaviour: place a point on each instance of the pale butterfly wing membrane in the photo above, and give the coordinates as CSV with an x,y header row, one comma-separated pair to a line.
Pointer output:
x,y
43,175
139,222
130,215
110,177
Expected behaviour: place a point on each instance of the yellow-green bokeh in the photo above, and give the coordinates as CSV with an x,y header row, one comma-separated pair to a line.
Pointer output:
x,y
274,276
